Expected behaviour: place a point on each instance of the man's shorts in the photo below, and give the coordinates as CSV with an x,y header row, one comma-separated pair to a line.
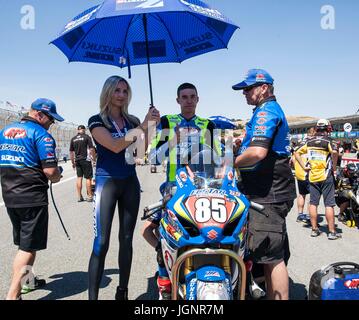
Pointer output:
x,y
325,188
30,227
84,169
303,187
267,235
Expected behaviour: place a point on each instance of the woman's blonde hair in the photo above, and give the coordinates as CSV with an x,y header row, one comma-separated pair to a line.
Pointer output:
x,y
107,92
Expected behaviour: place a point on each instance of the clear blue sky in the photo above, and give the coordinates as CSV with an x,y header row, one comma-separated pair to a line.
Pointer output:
x,y
316,71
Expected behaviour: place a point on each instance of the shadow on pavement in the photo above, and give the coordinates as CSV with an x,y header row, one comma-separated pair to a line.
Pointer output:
x,y
152,291
323,226
68,284
297,291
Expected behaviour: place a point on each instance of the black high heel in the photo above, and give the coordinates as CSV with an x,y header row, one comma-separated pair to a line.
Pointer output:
x,y
121,294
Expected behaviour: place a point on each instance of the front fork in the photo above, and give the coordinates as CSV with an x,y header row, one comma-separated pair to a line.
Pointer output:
x,y
187,259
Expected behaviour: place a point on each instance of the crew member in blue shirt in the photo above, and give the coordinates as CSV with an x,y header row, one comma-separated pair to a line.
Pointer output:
x,y
263,161
27,162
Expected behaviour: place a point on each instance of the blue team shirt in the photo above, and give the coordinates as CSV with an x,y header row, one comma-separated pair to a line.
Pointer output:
x,y
25,149
270,180
268,127
111,164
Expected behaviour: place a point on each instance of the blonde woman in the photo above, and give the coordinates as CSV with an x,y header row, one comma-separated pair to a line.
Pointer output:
x,y
113,130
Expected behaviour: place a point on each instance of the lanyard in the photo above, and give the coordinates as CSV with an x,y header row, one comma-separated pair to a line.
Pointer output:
x,y
120,134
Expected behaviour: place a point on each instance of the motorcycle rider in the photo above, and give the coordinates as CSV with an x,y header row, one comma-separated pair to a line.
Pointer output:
x,y
176,134
345,179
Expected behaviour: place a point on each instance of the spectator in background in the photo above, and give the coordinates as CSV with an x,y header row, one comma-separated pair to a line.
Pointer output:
x,y
356,147
302,179
82,154
340,154
322,161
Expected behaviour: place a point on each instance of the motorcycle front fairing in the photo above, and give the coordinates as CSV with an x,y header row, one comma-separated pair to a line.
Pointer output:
x,y
205,212
196,217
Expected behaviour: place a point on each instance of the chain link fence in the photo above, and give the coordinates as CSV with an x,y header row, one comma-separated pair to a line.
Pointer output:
x,y
62,132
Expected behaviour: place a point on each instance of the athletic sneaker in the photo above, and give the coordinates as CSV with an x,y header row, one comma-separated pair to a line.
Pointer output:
x,y
315,233
81,199
301,217
89,199
334,236
36,284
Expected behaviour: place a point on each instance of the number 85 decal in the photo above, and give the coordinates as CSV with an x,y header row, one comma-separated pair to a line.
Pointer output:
x,y
210,208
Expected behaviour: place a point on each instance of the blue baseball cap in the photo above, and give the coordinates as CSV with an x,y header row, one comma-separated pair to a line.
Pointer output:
x,y
46,106
254,76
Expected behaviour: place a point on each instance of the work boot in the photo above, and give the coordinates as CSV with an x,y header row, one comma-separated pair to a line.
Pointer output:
x,y
164,288
121,294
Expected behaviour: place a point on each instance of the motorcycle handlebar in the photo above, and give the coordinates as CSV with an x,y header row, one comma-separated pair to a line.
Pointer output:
x,y
156,205
152,207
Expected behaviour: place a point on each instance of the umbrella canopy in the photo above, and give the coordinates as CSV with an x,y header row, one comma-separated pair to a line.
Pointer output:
x,y
133,32
222,122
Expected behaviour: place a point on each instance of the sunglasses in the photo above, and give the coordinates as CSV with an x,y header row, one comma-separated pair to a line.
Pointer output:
x,y
51,119
251,87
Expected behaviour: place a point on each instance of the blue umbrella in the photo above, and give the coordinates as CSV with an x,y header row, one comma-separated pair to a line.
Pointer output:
x,y
133,32
222,122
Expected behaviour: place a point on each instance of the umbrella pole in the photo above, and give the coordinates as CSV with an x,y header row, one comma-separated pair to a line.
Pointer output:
x,y
144,19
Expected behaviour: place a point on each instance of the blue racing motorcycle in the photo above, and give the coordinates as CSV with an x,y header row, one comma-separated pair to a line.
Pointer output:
x,y
203,231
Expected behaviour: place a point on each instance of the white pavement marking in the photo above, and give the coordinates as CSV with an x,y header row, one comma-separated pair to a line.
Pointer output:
x,y
63,181
56,184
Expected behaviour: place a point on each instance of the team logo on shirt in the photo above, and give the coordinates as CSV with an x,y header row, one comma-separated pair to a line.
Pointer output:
x,y
258,139
260,128
262,114
12,147
50,155
48,139
261,120
15,133
8,157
